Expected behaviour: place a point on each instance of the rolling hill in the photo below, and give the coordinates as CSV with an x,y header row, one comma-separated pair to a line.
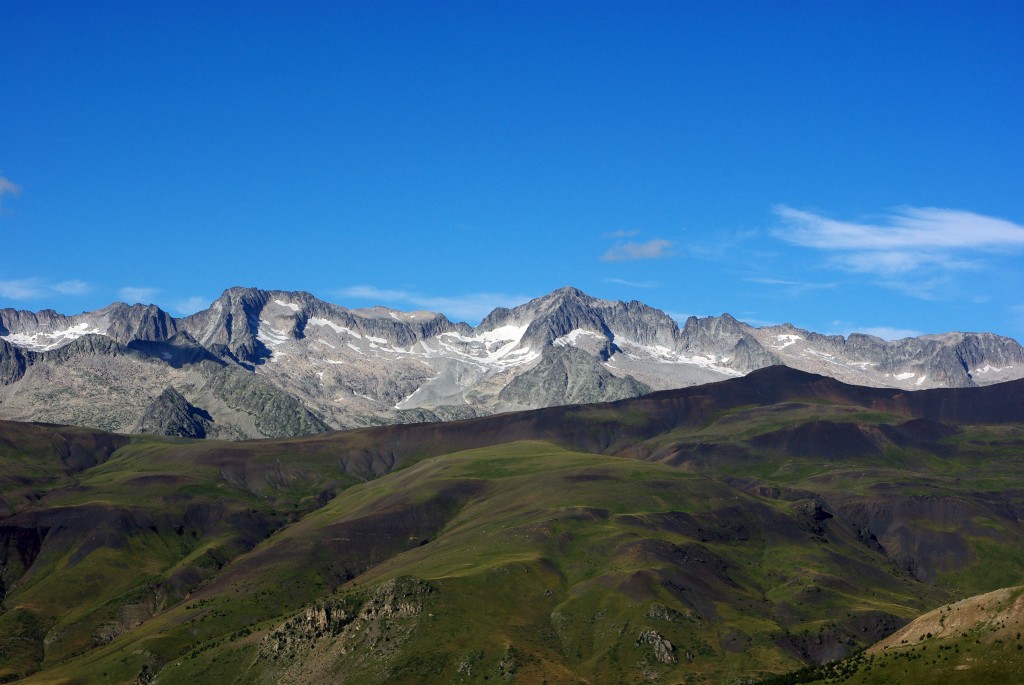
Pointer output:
x,y
722,533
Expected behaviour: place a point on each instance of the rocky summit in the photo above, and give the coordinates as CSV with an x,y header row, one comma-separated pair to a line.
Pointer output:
x,y
261,363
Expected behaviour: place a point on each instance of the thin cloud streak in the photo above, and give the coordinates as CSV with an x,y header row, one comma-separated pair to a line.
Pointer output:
x,y
680,318
907,240
131,294
471,307
631,284
652,249
889,332
191,305
37,288
791,287
619,235
906,227
369,292
8,187
846,329
72,287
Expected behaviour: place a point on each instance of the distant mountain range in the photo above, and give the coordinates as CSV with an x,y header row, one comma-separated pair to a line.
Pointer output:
x,y
262,363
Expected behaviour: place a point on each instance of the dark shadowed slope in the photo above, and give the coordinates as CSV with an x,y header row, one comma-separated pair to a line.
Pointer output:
x,y
613,427
791,520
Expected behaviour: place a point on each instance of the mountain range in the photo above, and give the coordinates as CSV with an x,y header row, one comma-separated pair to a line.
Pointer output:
x,y
261,363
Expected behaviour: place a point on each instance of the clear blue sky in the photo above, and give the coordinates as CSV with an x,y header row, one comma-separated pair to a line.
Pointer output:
x,y
839,165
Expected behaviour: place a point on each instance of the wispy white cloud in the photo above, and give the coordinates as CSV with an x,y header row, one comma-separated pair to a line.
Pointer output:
x,y
632,284
470,307
791,287
846,328
889,332
22,289
758,323
37,288
680,318
131,294
908,240
7,187
369,292
629,251
723,248
932,286
75,287
620,235
191,305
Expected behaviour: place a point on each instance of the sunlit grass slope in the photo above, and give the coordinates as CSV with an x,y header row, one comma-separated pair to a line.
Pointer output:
x,y
721,535
560,565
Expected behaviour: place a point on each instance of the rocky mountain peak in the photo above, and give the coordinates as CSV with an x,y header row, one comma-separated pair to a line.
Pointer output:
x,y
231,324
124,322
327,366
565,298
171,414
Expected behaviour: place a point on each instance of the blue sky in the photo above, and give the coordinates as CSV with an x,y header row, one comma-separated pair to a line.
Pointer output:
x,y
838,165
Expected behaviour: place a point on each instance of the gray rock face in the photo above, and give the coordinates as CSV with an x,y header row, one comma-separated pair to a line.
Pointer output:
x,y
663,650
727,338
567,375
267,363
568,309
171,414
180,350
13,362
126,323
930,361
13,320
234,320
231,325
273,411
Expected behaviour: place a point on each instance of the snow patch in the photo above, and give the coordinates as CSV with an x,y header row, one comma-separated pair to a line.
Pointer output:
x,y
40,342
572,338
904,376
269,335
786,340
666,355
921,380
290,305
317,321
989,368
498,348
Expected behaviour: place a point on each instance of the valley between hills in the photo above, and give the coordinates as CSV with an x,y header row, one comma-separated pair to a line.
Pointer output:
x,y
775,527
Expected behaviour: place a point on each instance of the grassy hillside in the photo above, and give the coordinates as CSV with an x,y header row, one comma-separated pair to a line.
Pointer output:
x,y
977,640
706,537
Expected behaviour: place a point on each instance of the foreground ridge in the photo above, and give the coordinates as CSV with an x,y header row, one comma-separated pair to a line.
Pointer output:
x,y
748,530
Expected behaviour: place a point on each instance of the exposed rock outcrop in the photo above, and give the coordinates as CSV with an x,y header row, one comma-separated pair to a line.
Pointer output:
x,y
172,414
